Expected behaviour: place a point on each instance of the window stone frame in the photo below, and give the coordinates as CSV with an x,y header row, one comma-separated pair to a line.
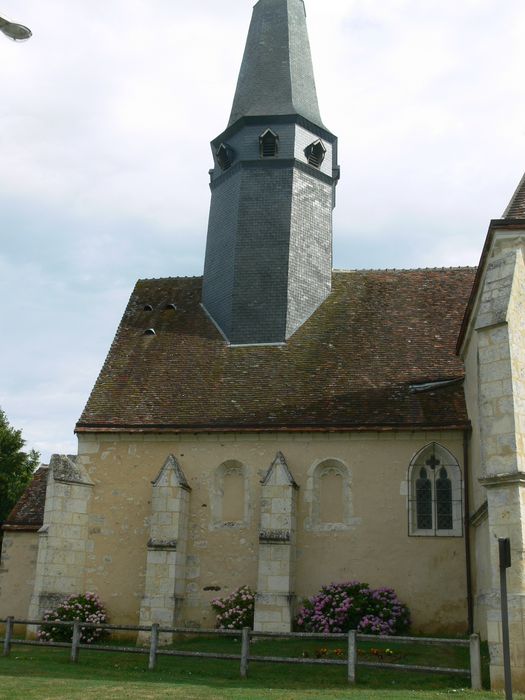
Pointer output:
x,y
448,461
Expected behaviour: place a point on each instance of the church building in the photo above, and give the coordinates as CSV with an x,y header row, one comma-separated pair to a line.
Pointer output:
x,y
279,424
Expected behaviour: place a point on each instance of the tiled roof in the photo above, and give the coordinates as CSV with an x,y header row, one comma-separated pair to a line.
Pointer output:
x,y
28,514
349,366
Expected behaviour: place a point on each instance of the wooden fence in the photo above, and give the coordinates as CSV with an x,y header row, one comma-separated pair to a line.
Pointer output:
x,y
246,657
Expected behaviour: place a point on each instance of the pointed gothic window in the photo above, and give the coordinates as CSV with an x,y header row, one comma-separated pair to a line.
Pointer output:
x,y
435,493
315,153
224,156
268,144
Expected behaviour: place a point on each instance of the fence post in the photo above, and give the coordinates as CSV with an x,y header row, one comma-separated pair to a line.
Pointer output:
x,y
475,662
75,641
8,635
352,656
245,651
154,642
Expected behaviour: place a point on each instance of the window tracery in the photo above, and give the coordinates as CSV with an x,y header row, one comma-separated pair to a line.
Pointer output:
x,y
435,493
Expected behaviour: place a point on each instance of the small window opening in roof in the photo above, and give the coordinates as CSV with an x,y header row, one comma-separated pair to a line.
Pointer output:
x,y
268,144
171,307
149,331
148,307
315,153
225,156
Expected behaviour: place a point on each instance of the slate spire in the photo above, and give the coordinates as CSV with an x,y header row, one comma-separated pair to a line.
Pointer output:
x,y
268,260
276,75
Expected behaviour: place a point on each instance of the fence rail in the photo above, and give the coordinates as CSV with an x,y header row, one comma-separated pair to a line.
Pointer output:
x,y
245,657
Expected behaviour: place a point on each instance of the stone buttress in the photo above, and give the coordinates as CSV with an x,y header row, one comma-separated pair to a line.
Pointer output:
x,y
500,331
166,553
63,538
276,572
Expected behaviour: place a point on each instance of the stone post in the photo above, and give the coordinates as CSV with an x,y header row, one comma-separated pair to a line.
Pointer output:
x,y
276,575
166,550
63,537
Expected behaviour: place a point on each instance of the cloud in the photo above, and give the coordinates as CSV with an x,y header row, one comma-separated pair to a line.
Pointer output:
x,y
105,122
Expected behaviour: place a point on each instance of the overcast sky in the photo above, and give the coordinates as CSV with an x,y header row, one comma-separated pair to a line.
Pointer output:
x,y
105,120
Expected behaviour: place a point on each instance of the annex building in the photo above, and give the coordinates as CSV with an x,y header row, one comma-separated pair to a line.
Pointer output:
x,y
283,425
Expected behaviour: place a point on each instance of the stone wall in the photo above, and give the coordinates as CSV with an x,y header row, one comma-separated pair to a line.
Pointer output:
x,y
371,543
17,572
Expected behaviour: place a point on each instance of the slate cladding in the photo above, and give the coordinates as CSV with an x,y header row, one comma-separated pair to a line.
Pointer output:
x,y
276,75
28,514
269,244
350,366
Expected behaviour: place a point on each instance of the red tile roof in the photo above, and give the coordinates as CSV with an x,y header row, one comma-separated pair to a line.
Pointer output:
x,y
350,366
28,514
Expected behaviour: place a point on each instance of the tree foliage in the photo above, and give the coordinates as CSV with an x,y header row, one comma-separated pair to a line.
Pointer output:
x,y
16,466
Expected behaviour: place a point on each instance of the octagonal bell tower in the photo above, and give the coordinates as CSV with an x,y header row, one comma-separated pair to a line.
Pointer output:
x,y
269,247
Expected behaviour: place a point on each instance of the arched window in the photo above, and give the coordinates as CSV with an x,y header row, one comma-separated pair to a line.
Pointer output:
x,y
435,493
331,495
229,498
329,492
233,495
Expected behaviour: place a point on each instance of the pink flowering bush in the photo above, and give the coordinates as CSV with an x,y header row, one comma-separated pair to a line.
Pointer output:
x,y
236,610
341,607
86,608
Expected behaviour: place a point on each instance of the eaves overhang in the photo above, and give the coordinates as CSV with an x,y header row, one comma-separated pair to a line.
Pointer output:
x,y
189,429
495,226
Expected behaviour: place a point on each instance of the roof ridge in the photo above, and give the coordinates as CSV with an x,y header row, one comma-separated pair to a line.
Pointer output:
x,y
161,279
408,269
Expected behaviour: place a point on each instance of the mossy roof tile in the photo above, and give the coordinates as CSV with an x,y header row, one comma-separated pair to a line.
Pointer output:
x,y
350,365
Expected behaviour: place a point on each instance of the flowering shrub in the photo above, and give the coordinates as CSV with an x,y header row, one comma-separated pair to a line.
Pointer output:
x,y
236,610
341,607
86,608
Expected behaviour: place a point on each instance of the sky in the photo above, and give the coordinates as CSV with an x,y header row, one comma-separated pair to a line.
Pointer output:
x,y
106,115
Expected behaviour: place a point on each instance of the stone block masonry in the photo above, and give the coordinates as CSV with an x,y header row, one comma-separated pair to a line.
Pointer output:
x,y
63,537
501,373
166,550
276,566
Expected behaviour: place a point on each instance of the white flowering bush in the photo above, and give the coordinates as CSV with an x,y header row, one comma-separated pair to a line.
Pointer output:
x,y
236,610
85,608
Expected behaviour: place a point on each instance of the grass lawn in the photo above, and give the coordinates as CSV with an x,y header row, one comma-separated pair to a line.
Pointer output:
x,y
37,673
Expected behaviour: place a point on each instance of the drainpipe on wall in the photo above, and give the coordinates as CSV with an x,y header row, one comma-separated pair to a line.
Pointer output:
x,y
466,526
